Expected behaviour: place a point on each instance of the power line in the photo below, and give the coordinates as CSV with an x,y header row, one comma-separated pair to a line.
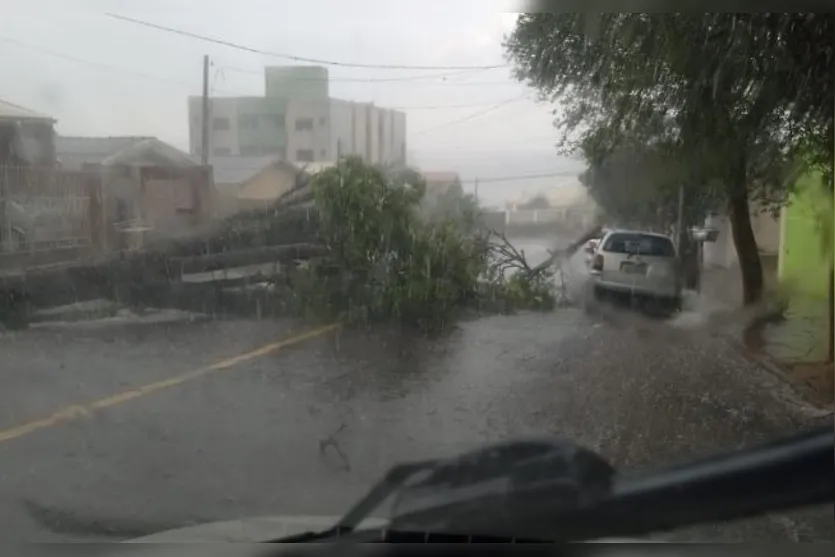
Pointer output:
x,y
443,106
526,177
108,67
408,78
186,85
292,56
472,116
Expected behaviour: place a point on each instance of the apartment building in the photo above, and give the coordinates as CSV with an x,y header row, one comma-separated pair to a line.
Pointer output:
x,y
298,121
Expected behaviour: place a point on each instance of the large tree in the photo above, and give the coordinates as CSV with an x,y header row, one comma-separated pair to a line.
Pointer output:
x,y
729,93
637,185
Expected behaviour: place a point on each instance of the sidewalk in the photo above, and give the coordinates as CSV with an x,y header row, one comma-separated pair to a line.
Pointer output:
x,y
797,342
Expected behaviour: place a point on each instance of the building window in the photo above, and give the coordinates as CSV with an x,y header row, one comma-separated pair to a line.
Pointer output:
x,y
221,152
248,121
304,124
304,155
219,124
322,120
250,150
274,120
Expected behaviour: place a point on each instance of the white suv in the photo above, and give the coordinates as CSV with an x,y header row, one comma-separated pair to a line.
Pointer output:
x,y
639,266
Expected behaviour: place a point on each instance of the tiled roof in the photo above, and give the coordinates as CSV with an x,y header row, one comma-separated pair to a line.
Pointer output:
x,y
73,152
235,170
440,177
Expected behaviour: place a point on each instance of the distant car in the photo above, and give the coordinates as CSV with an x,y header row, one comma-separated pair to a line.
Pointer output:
x,y
642,267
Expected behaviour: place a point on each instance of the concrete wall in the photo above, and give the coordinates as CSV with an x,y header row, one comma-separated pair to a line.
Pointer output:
x,y
267,137
220,141
38,141
374,140
361,131
343,120
398,140
378,135
536,216
262,126
494,220
722,253
317,139
767,232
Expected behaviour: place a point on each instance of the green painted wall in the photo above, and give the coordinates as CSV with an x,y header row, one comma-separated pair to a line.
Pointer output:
x,y
806,230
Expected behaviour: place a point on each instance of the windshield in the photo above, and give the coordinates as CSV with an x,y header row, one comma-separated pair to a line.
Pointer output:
x,y
644,244
253,254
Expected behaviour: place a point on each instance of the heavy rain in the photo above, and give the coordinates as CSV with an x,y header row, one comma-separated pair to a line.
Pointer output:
x,y
248,263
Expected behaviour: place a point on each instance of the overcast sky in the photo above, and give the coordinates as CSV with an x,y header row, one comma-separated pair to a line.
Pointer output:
x,y
102,76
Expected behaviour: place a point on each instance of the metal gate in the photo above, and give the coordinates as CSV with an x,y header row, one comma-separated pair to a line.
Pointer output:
x,y
45,211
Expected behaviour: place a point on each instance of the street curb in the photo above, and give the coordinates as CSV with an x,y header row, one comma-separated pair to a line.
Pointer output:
x,y
771,365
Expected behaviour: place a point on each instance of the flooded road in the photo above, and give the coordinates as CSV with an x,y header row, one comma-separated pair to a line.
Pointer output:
x,y
156,425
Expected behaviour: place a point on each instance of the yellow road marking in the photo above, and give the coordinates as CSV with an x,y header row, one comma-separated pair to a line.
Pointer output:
x,y
78,411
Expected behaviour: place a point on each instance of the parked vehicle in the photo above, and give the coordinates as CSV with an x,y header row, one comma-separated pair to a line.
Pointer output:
x,y
642,268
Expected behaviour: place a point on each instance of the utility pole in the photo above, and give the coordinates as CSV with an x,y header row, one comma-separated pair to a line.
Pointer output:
x,y
475,186
204,146
680,219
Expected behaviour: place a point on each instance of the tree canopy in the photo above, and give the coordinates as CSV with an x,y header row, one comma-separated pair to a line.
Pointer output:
x,y
731,101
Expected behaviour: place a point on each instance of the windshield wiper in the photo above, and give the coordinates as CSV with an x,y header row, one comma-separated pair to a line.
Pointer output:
x,y
360,511
560,492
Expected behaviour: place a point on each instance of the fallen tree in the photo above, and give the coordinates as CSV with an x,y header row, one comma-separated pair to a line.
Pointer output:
x,y
384,262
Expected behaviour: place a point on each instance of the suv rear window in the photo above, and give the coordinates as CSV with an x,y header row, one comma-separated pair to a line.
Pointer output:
x,y
644,244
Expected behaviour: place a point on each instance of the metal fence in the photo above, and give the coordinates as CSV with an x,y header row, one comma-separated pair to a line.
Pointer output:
x,y
45,210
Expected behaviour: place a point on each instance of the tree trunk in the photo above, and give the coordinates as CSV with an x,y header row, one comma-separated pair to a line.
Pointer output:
x,y
746,245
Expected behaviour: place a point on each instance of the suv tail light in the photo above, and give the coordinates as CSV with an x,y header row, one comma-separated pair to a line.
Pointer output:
x,y
597,262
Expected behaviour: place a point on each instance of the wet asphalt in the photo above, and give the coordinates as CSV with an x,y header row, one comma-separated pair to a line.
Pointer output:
x,y
307,428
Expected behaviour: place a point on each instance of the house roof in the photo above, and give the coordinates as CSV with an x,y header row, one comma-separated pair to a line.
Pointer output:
x,y
73,152
11,111
439,182
440,177
235,170
315,167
